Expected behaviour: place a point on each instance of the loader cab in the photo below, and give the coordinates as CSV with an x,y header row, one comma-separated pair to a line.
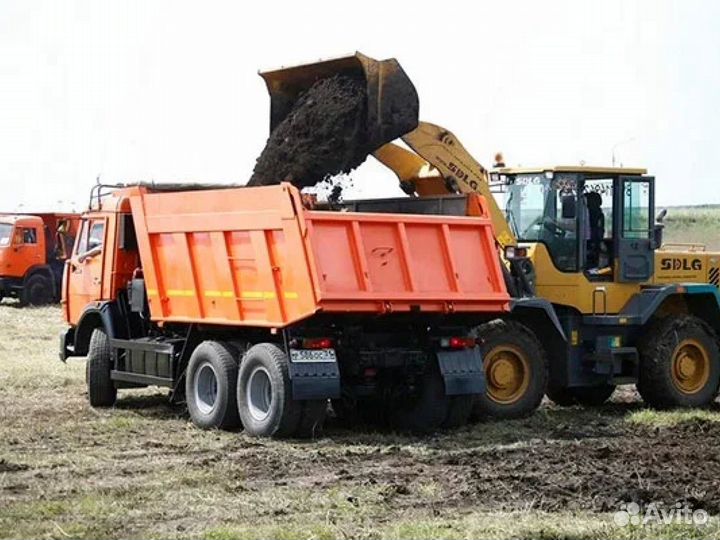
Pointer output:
x,y
595,221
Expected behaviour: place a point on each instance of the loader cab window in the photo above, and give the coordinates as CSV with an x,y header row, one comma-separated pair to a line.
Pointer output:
x,y
543,207
598,200
637,219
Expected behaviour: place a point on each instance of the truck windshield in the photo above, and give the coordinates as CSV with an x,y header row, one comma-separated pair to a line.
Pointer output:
x,y
543,208
6,230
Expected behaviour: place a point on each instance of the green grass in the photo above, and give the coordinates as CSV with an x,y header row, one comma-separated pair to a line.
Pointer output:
x,y
694,224
652,418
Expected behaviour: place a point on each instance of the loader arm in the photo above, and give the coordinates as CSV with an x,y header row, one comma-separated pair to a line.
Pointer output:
x,y
441,165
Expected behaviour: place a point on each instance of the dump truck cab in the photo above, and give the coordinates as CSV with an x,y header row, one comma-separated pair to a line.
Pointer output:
x,y
32,251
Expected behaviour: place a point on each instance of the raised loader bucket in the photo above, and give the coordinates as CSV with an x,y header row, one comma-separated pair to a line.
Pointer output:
x,y
392,101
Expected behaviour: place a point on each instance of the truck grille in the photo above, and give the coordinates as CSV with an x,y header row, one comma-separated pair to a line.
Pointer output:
x,y
714,276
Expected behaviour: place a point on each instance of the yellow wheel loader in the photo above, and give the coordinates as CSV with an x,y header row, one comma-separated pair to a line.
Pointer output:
x,y
586,240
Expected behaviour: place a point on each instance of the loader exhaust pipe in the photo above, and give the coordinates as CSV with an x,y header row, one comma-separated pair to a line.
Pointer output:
x,y
392,101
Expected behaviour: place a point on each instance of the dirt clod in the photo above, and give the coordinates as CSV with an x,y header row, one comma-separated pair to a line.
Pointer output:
x,y
324,135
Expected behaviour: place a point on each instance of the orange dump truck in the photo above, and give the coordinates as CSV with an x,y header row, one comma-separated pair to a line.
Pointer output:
x,y
256,310
33,249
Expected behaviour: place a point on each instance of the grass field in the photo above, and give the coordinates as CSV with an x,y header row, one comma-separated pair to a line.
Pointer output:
x,y
700,224
141,470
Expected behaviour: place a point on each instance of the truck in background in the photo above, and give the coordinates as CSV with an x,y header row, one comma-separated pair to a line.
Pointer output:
x,y
33,250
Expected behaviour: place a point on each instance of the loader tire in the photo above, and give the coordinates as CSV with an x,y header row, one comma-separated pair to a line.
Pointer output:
x,y
426,410
101,389
679,363
264,397
516,371
210,383
588,396
37,291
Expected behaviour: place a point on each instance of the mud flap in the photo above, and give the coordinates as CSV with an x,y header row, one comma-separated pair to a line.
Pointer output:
x,y
315,380
462,371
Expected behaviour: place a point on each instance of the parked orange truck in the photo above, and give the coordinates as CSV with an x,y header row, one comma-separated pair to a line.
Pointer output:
x,y
33,249
255,309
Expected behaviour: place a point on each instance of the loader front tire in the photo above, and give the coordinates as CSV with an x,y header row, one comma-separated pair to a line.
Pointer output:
x,y
516,371
679,363
101,389
264,397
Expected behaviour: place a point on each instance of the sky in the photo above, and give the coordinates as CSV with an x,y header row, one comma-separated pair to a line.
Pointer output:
x,y
169,91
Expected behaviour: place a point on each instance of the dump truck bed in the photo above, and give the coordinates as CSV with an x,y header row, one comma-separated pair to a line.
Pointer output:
x,y
257,257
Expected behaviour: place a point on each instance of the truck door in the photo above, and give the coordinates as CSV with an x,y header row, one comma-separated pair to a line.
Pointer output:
x,y
634,220
85,268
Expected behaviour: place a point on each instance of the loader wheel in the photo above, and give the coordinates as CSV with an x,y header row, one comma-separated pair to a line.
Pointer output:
x,y
516,371
37,291
679,363
426,410
589,396
101,388
264,397
210,383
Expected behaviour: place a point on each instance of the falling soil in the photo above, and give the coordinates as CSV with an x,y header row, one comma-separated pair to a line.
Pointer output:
x,y
323,135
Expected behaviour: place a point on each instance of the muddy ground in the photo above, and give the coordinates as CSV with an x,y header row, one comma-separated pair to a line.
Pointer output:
x,y
142,470
323,135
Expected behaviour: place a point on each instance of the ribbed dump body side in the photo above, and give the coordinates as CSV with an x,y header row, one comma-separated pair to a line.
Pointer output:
x,y
402,262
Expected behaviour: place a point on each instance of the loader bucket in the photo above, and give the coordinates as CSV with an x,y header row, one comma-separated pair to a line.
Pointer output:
x,y
392,101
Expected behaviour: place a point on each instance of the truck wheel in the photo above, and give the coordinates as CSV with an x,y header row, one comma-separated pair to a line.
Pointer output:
x,y
101,389
459,411
264,397
37,291
425,411
679,363
516,371
589,396
210,384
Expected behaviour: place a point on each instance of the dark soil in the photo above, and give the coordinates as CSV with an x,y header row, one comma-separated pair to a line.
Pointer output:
x,y
324,134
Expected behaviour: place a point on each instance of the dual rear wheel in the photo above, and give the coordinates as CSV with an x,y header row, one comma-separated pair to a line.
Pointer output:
x,y
257,396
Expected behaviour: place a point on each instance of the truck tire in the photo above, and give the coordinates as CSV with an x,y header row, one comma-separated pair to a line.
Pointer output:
x,y
679,363
516,371
101,389
426,410
588,396
210,384
459,411
264,397
37,291
365,413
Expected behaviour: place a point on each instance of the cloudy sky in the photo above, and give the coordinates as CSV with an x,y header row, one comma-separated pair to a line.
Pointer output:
x,y
168,90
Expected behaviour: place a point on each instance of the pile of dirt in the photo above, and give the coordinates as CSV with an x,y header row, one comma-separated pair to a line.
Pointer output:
x,y
323,135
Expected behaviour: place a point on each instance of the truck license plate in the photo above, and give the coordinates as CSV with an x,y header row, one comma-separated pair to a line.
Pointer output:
x,y
312,355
